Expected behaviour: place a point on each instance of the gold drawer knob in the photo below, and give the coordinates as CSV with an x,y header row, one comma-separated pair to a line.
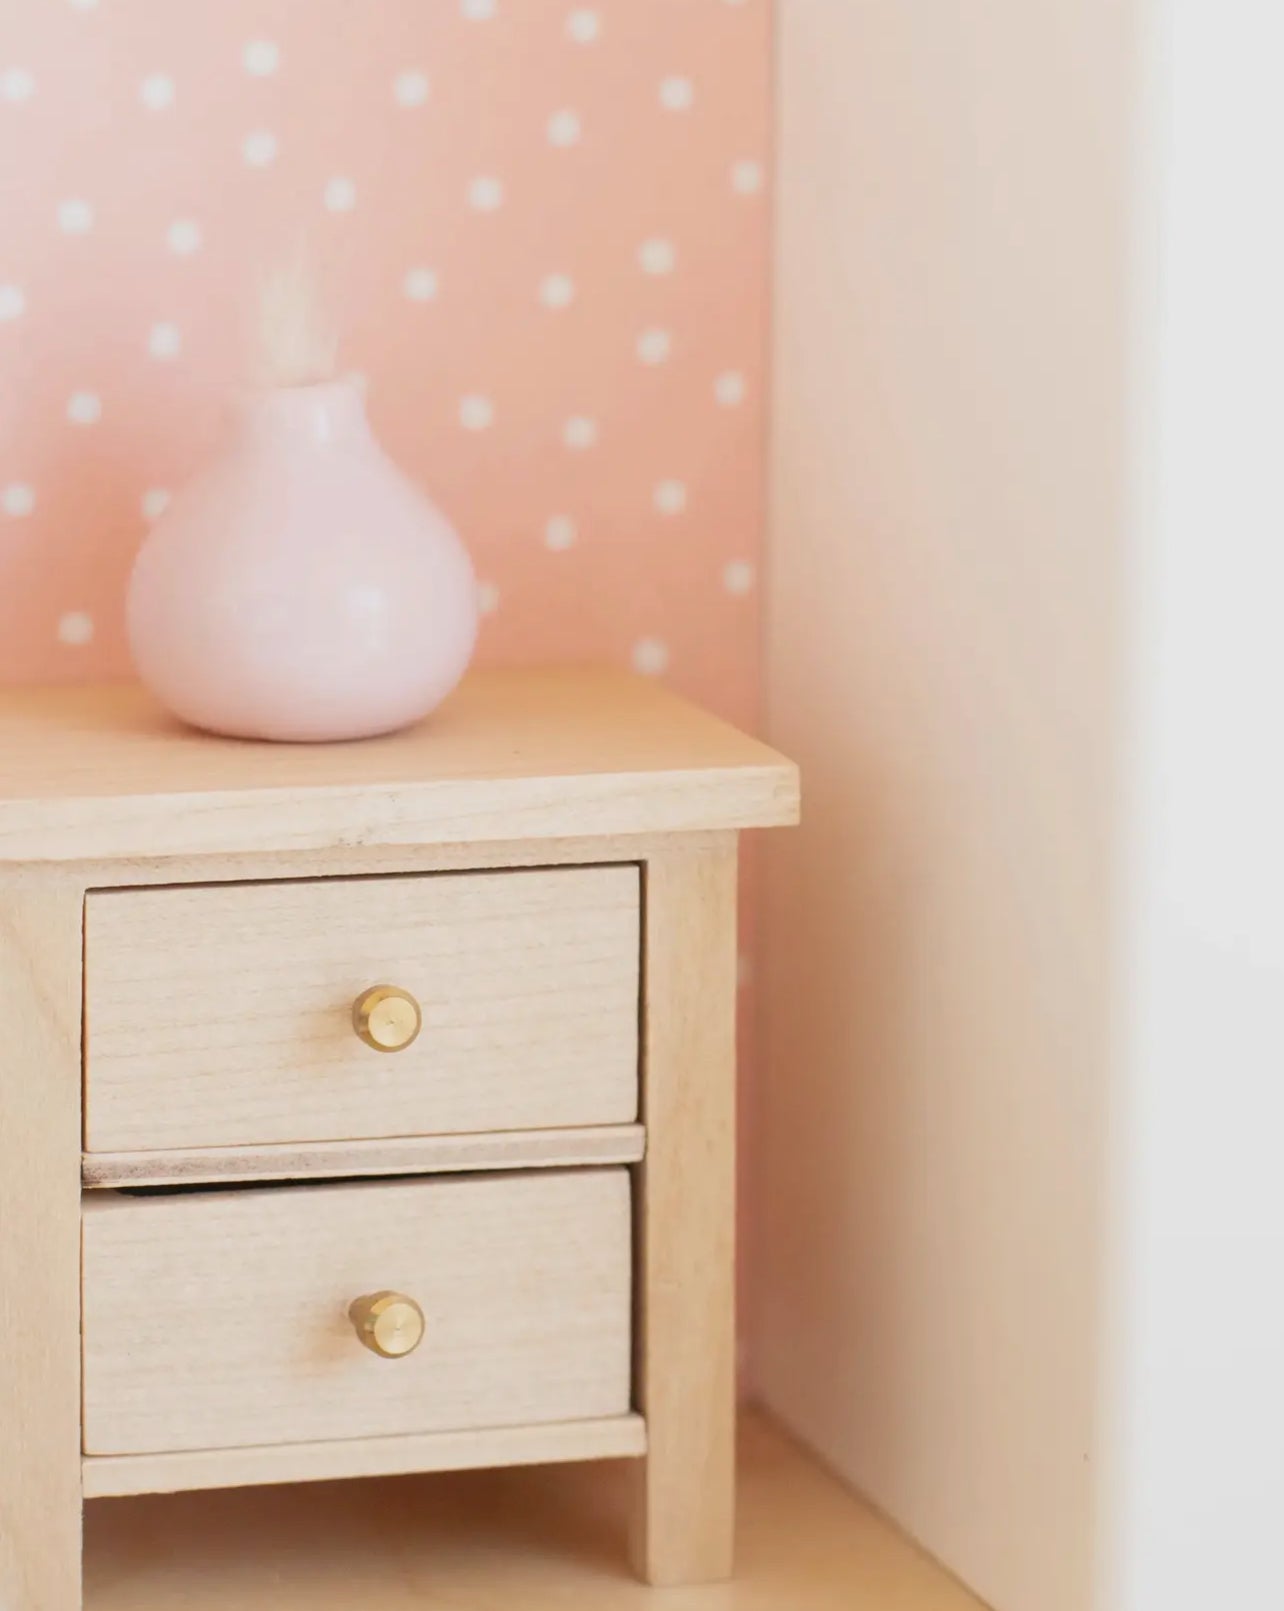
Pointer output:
x,y
386,1018
388,1323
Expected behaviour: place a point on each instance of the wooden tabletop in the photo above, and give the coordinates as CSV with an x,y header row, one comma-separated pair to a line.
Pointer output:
x,y
102,772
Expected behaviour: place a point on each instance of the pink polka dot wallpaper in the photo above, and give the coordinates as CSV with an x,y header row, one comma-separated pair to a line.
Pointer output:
x,y
542,234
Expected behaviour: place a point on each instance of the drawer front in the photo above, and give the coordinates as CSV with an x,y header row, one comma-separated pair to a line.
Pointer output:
x,y
221,1319
222,1015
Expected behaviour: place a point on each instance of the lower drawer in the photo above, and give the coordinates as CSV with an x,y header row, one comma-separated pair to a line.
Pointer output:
x,y
226,1319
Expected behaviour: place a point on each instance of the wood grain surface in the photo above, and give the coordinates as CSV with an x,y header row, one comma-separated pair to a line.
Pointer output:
x,y
221,1015
549,1539
40,943
333,1160
615,1437
531,754
685,1364
220,1319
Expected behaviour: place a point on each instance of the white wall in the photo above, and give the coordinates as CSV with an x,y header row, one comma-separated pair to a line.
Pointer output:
x,y
1021,1207
1194,1497
948,510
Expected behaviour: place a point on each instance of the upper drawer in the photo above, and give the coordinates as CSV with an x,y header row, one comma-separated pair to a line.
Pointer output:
x,y
217,1015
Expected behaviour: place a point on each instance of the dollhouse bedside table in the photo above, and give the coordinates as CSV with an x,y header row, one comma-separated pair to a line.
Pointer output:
x,y
369,1108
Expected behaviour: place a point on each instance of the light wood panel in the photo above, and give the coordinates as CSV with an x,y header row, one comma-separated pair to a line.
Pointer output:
x,y
108,1476
684,1508
549,1539
937,978
332,1160
364,861
220,1319
222,1015
40,947
512,755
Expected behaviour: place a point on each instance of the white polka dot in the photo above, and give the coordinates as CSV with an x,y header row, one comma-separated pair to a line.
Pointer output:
x,y
557,290
729,389
262,57
564,128
84,408
259,148
157,91
677,94
580,432
650,656
737,577
657,256
584,25
16,85
76,629
164,340
670,497
12,302
654,346
154,502
487,598
410,88
476,413
340,195
184,236
75,217
18,499
485,194
746,177
420,284
478,10
560,533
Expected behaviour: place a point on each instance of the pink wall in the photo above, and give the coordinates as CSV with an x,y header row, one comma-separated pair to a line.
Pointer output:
x,y
157,156
134,219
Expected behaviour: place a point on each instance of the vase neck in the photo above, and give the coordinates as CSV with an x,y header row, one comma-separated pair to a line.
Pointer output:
x,y
326,415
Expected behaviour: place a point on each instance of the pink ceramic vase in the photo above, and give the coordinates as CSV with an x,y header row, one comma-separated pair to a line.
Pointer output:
x,y
300,587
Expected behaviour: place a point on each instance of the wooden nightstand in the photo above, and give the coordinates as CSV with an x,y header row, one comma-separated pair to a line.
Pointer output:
x,y
406,1135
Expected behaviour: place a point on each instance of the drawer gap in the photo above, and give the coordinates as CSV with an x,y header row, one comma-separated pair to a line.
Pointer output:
x,y
232,1187
383,874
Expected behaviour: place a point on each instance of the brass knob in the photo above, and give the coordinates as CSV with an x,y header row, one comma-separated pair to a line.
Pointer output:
x,y
388,1323
386,1018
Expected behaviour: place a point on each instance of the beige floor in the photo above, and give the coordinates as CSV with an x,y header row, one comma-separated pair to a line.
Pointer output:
x,y
533,1540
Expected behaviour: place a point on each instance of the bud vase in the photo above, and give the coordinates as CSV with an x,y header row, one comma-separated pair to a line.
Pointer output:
x,y
300,588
